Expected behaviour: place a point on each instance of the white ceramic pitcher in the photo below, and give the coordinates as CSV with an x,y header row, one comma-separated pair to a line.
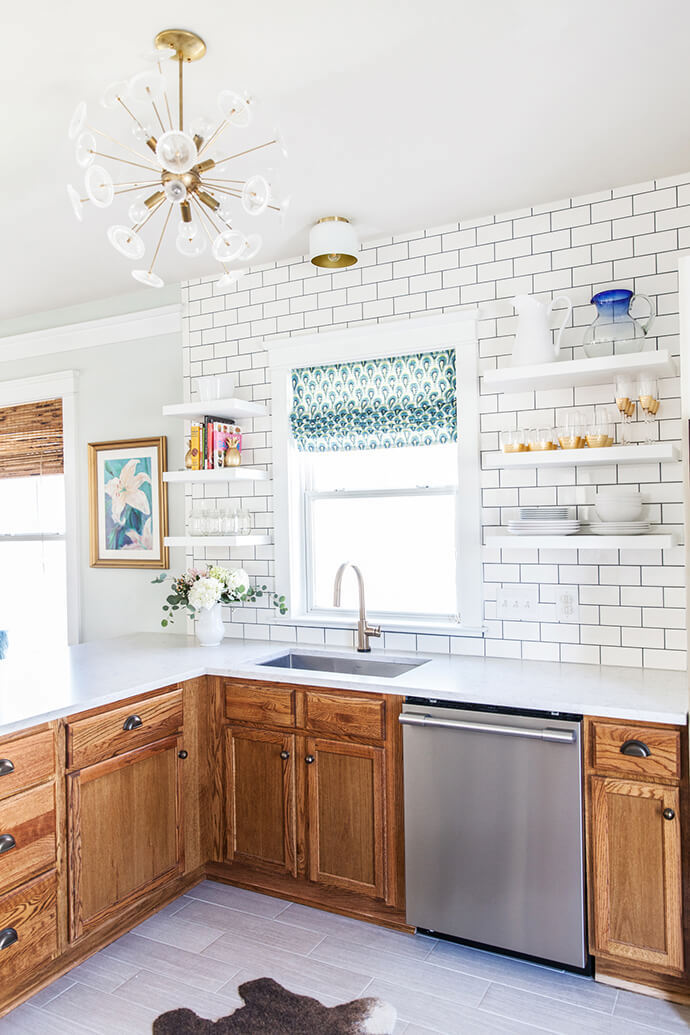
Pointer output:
x,y
533,341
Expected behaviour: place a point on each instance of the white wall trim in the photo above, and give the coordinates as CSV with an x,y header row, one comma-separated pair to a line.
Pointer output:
x,y
110,330
401,336
61,385
457,329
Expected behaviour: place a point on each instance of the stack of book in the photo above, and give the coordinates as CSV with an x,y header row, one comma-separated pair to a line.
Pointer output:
x,y
212,438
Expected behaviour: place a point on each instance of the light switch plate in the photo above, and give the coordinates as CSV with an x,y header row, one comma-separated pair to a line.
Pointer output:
x,y
517,603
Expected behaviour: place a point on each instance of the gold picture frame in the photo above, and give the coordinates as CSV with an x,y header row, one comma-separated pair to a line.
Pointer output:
x,y
128,503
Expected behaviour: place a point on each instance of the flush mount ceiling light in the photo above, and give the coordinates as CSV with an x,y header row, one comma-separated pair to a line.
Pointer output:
x,y
333,243
176,174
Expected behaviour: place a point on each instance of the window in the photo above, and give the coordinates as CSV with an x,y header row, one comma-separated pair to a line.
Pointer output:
x,y
32,528
367,453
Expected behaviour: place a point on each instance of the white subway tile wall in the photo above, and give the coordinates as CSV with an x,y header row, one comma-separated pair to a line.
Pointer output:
x,y
631,603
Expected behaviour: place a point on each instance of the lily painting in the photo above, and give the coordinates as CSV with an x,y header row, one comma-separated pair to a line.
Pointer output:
x,y
128,504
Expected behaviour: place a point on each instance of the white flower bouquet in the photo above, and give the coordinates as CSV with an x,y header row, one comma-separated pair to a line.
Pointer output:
x,y
197,590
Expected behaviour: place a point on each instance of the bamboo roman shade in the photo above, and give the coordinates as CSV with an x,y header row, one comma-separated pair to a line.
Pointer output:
x,y
31,439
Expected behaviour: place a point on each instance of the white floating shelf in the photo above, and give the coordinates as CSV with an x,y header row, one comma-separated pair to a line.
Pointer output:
x,y
576,372
221,474
658,452
226,409
581,542
217,540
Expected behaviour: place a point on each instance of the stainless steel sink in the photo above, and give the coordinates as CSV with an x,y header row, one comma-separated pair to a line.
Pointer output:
x,y
384,668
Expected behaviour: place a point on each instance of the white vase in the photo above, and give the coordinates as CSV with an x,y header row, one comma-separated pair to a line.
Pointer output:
x,y
209,626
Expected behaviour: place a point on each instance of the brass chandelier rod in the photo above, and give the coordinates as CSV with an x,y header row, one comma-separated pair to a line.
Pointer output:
x,y
233,194
119,143
179,88
160,239
203,210
132,115
210,239
127,161
247,152
137,226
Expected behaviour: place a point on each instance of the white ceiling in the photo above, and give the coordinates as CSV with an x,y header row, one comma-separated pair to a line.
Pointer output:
x,y
398,114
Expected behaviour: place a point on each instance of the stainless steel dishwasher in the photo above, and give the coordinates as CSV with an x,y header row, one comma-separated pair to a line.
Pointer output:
x,y
494,828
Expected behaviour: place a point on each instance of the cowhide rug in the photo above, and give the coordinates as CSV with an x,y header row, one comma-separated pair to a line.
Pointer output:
x,y
271,1010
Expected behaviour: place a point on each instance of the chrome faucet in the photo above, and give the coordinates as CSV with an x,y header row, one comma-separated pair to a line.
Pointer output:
x,y
364,631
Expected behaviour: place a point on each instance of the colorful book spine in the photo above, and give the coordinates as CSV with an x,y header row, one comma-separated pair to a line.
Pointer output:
x,y
196,446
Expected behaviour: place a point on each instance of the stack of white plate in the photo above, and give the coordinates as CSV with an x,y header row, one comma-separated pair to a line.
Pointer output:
x,y
619,527
544,521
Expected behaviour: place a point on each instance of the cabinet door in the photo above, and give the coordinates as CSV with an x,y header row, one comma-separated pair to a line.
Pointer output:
x,y
125,831
260,799
346,829
636,872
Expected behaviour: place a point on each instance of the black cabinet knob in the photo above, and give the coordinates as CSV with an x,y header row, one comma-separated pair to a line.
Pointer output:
x,y
309,759
8,936
668,814
636,748
7,843
6,767
132,722
183,754
284,755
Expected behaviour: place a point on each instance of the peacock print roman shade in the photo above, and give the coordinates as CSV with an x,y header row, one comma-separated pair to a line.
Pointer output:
x,y
375,403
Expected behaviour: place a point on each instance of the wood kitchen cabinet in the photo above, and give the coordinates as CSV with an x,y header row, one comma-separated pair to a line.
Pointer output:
x,y
125,834
345,794
260,799
636,790
312,781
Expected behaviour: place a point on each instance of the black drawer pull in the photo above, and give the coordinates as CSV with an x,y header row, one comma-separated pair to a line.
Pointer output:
x,y
7,843
8,936
284,755
6,767
636,748
309,759
183,754
668,814
132,722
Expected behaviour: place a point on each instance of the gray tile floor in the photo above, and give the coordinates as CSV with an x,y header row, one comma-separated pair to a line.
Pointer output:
x,y
197,950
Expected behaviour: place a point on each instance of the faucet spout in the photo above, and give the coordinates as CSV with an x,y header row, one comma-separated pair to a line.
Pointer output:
x,y
364,630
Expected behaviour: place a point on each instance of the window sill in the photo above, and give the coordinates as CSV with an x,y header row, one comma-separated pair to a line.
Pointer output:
x,y
402,625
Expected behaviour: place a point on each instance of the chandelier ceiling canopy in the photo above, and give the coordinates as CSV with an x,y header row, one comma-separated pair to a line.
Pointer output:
x,y
171,173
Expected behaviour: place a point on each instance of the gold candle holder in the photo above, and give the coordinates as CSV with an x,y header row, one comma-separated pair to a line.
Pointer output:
x,y
571,441
599,441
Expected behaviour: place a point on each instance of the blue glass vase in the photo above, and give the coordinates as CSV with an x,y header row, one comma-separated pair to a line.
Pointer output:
x,y
614,330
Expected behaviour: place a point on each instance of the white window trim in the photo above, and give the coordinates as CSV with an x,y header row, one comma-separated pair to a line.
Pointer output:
x,y
457,329
61,385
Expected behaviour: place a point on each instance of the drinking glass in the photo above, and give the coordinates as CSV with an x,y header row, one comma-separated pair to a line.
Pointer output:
x,y
513,441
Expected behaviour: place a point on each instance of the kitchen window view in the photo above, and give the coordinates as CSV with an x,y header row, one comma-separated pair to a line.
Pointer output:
x,y
376,458
33,606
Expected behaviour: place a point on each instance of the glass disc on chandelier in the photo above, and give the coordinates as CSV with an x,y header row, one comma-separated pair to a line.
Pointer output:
x,y
99,186
126,242
148,278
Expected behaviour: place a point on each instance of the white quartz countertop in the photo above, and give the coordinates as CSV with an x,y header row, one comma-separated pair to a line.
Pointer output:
x,y
106,671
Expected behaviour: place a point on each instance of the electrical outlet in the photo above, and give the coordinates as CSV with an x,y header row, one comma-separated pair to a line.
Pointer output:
x,y
567,605
517,603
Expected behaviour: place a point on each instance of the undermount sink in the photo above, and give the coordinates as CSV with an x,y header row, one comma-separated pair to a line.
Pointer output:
x,y
385,668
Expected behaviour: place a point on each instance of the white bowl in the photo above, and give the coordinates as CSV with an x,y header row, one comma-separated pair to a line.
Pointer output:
x,y
617,492
618,510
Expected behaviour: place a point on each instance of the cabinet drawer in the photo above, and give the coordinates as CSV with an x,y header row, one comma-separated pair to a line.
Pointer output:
x,y
358,716
262,703
28,930
26,761
27,835
106,735
663,747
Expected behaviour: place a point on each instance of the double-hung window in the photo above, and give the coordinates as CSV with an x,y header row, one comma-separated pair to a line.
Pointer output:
x,y
32,528
370,465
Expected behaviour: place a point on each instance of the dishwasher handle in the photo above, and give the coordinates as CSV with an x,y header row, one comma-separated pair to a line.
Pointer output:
x,y
551,735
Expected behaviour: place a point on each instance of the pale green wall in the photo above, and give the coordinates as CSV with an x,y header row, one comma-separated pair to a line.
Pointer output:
x,y
121,391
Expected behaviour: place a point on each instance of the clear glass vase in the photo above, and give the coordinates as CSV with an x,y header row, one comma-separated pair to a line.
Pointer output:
x,y
614,330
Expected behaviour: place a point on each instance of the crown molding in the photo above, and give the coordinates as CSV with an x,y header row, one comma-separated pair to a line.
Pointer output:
x,y
89,334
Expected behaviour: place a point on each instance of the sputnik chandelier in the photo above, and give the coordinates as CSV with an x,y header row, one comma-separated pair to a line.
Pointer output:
x,y
180,176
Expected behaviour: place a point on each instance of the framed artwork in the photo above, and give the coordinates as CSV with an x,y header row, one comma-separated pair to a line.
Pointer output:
x,y
128,503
